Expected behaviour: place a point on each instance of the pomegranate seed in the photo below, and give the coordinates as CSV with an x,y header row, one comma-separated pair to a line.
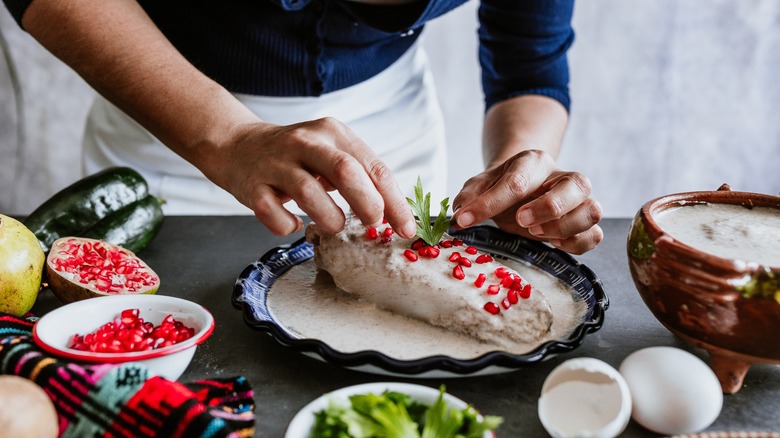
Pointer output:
x,y
385,239
512,296
492,308
384,220
129,332
525,292
457,242
493,289
471,250
502,272
419,243
484,258
508,280
433,252
424,251
505,303
463,261
457,272
455,256
129,316
372,233
446,244
410,255
387,232
480,280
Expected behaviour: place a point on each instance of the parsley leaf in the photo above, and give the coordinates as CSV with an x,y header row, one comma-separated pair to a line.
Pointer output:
x,y
421,208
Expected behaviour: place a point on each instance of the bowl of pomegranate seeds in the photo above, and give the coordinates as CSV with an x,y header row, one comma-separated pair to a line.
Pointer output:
x,y
160,332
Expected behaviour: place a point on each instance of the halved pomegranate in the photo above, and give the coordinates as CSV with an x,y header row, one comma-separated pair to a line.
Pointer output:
x,y
79,268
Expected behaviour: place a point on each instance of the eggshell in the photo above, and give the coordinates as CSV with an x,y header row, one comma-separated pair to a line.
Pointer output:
x,y
584,397
674,392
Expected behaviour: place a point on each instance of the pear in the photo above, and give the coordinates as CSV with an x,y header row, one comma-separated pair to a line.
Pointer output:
x,y
21,267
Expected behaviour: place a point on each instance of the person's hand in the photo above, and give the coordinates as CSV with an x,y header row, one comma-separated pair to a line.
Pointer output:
x,y
531,196
267,165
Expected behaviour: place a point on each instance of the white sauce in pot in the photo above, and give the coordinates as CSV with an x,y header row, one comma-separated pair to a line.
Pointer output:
x,y
726,230
308,303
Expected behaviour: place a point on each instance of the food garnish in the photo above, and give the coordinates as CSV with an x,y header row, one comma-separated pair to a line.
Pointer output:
x,y
421,207
395,415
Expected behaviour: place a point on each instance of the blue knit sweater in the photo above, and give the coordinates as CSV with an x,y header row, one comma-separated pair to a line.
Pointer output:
x,y
311,47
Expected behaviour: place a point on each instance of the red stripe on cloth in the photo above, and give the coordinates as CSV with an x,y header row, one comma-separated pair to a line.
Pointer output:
x,y
163,396
16,320
147,398
192,412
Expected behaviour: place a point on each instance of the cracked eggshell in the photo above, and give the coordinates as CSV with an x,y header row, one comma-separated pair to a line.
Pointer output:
x,y
584,397
674,391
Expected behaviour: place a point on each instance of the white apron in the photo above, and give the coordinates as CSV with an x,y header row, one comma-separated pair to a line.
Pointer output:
x,y
396,113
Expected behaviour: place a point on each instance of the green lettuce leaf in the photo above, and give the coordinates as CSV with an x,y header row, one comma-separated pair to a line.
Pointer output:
x,y
396,415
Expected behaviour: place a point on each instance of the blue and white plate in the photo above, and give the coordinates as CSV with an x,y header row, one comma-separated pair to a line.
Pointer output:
x,y
252,287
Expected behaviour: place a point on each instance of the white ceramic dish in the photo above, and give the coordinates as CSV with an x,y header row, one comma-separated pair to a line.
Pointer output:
x,y
53,332
303,421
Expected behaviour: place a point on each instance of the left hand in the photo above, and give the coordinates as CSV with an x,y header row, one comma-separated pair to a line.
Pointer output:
x,y
531,196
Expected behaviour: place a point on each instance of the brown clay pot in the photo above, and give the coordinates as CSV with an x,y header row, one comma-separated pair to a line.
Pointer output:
x,y
728,307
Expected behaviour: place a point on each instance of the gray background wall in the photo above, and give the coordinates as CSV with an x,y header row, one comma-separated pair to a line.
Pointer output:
x,y
668,96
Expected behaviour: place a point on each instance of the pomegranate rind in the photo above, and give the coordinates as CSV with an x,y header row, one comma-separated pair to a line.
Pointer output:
x,y
68,290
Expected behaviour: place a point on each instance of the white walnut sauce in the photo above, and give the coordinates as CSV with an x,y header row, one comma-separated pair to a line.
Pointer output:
x,y
307,302
726,230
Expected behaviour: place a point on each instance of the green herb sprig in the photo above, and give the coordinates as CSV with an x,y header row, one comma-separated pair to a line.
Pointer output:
x,y
421,207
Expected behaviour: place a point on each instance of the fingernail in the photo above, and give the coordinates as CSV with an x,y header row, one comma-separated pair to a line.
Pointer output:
x,y
409,229
298,225
555,242
525,217
536,230
465,220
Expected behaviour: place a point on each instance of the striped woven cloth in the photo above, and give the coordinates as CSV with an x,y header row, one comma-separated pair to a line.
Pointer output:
x,y
125,400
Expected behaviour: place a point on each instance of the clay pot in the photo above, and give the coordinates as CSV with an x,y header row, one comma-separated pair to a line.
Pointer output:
x,y
728,307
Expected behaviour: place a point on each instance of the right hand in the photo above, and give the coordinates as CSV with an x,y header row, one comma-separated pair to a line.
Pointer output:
x,y
268,165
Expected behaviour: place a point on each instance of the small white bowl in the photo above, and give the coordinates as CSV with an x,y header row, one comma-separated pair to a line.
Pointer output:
x,y
54,331
303,422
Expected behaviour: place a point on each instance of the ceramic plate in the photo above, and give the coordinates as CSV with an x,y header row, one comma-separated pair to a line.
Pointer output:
x,y
253,286
302,423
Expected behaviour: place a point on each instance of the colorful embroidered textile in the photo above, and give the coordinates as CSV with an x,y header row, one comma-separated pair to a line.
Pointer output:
x,y
125,400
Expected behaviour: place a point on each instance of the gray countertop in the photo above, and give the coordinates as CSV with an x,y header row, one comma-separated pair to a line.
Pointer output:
x,y
199,258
